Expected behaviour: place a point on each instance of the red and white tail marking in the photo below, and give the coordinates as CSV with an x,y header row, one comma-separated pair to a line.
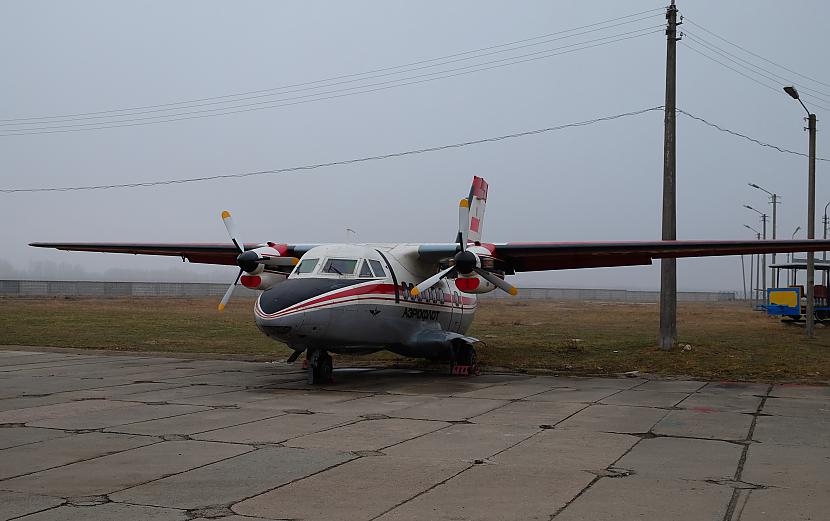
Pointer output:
x,y
478,200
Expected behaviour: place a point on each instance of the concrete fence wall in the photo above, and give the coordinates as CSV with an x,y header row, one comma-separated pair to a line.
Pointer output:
x,y
54,288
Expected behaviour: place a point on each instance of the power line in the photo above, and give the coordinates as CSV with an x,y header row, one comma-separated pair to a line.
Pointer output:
x,y
281,91
338,93
744,136
772,76
402,154
686,19
775,89
335,163
353,75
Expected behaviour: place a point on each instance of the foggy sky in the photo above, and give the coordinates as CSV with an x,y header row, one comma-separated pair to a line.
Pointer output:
x,y
600,182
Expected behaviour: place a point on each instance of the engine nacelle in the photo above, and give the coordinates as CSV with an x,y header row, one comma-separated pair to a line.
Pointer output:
x,y
472,283
262,280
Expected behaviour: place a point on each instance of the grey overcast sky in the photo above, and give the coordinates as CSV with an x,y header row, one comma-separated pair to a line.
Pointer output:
x,y
598,182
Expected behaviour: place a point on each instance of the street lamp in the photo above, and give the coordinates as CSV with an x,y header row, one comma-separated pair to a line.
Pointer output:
x,y
753,284
762,258
811,211
775,202
824,254
792,237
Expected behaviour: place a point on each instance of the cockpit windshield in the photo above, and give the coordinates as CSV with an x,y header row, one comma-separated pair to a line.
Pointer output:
x,y
340,266
307,266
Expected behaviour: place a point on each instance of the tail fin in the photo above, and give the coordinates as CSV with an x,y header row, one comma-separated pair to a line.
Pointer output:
x,y
477,200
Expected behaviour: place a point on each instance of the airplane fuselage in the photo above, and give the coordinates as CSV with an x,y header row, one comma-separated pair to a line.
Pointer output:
x,y
357,299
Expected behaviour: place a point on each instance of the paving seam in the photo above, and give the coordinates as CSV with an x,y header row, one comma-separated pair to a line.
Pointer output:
x,y
90,361
253,449
436,485
38,511
73,462
736,493
58,363
597,478
355,458
107,429
654,435
103,429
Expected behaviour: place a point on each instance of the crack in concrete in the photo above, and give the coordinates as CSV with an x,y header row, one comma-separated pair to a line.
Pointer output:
x,y
649,434
729,515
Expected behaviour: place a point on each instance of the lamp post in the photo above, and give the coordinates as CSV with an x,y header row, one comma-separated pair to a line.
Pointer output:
x,y
792,237
762,258
774,201
824,253
811,211
752,284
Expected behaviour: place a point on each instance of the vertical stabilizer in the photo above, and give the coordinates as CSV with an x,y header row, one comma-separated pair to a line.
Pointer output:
x,y
477,200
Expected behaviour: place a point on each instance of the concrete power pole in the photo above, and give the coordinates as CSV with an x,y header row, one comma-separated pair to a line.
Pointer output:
x,y
764,261
811,225
668,267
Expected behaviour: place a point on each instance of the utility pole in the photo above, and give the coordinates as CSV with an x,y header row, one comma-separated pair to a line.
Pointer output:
x,y
668,267
774,222
811,212
811,227
764,261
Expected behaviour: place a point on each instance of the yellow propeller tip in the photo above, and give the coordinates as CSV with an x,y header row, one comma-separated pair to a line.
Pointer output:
x,y
414,292
294,261
221,307
464,203
225,214
513,291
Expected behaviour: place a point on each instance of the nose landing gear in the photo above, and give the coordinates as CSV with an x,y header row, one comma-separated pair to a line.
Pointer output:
x,y
320,366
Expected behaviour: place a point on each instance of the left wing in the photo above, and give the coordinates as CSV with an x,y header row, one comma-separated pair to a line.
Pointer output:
x,y
518,257
194,252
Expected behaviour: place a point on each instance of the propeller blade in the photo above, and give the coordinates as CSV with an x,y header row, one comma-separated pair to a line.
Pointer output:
x,y
229,225
463,223
496,281
228,293
294,356
430,282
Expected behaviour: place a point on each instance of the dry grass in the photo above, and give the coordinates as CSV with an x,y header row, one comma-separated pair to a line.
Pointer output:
x,y
727,340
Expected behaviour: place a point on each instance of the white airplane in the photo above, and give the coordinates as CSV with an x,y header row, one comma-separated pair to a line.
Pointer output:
x,y
417,300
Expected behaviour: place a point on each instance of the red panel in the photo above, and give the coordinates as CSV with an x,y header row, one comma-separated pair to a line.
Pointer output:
x,y
467,284
251,281
475,224
480,188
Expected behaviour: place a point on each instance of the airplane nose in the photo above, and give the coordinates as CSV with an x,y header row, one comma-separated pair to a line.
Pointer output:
x,y
287,294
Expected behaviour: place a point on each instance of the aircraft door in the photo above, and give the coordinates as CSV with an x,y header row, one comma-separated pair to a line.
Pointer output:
x,y
455,319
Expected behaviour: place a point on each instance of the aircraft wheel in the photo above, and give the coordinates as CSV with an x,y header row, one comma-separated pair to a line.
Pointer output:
x,y
464,362
320,367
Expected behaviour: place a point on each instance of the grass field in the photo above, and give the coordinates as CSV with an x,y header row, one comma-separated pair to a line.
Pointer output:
x,y
727,341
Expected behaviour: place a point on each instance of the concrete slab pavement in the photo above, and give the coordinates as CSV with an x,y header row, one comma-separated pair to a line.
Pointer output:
x,y
142,437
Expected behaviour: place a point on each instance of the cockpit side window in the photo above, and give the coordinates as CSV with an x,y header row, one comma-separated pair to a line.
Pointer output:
x,y
307,266
377,268
340,266
365,271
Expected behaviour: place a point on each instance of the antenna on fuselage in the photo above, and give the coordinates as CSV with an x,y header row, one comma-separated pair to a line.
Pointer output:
x,y
348,230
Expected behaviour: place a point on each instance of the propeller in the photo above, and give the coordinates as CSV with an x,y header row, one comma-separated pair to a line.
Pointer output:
x,y
248,261
466,262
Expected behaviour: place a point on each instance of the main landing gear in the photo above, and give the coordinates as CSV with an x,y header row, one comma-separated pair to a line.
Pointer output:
x,y
320,368
464,361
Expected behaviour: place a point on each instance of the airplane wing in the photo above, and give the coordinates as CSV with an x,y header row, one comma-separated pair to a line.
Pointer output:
x,y
518,257
193,252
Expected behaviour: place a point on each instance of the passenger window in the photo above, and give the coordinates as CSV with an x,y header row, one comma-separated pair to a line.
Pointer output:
x,y
307,265
365,271
340,266
377,268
